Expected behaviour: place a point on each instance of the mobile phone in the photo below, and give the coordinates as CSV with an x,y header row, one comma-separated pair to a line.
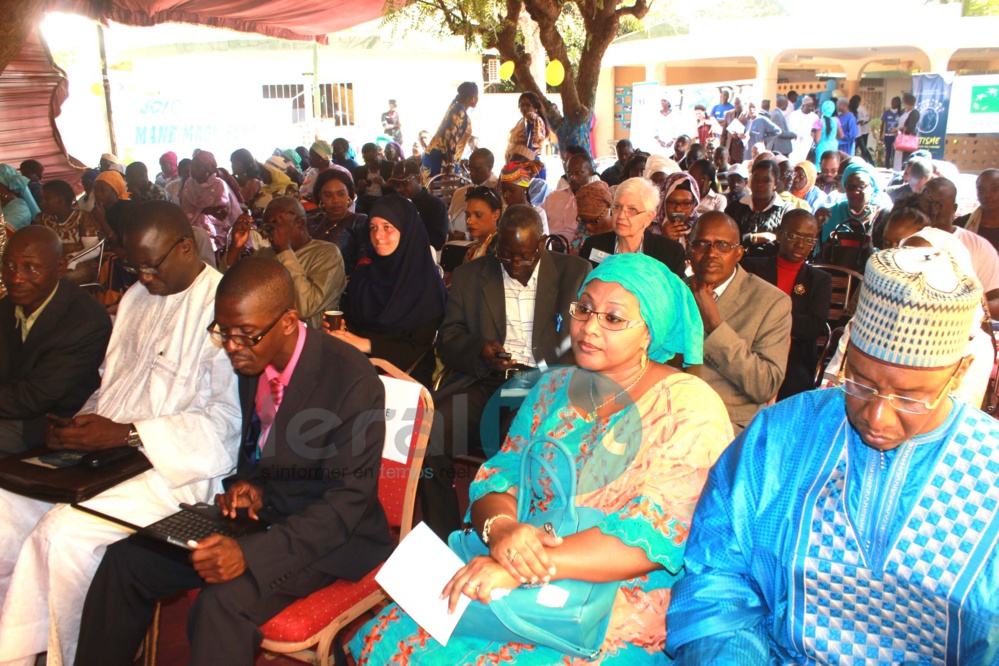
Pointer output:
x,y
503,355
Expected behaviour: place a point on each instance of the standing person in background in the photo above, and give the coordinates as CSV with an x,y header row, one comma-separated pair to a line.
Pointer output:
x,y
863,127
735,141
908,123
703,123
448,144
826,133
780,116
391,125
848,125
719,110
530,135
889,128
801,121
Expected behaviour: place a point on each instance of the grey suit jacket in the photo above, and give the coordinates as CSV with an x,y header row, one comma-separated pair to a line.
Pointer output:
x,y
476,311
782,142
745,357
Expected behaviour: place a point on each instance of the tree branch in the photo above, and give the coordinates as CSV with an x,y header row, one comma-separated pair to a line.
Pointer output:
x,y
638,10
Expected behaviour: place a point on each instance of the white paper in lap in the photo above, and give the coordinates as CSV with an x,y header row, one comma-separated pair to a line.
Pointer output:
x,y
419,595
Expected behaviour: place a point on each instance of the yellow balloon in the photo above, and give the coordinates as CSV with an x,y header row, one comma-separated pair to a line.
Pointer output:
x,y
554,73
506,70
97,89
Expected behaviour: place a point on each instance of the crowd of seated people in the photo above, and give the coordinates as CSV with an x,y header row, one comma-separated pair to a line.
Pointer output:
x,y
666,322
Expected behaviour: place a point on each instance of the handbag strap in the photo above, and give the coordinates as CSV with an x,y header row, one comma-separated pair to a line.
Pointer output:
x,y
533,452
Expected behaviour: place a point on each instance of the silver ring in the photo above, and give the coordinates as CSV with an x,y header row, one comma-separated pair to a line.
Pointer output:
x,y
511,555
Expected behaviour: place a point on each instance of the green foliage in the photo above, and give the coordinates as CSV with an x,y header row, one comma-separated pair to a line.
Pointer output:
x,y
981,8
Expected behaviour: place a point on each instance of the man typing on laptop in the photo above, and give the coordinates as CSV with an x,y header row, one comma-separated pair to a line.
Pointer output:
x,y
313,432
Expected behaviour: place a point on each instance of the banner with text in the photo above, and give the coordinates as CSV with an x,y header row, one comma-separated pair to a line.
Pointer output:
x,y
932,92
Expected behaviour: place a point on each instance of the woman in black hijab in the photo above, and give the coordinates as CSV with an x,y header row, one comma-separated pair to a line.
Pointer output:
x,y
395,303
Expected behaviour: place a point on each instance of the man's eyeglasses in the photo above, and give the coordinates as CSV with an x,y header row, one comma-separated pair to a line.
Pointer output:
x,y
795,238
702,245
155,268
520,259
629,212
221,337
898,402
608,321
30,272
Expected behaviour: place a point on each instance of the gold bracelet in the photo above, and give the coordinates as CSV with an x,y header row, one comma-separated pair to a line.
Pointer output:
x,y
486,526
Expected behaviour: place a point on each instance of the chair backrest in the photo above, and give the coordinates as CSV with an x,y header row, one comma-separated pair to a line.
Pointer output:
x,y
400,470
557,243
823,373
845,288
443,185
824,343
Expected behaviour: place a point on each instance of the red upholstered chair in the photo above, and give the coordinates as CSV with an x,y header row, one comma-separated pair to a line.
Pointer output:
x,y
306,629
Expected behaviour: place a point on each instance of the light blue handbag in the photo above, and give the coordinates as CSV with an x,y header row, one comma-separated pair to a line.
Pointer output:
x,y
576,627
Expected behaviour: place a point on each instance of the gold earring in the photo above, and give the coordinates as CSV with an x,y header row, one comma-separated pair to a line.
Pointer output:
x,y
645,359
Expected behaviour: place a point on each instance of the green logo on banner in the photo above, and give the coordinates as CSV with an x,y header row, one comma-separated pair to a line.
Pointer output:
x,y
985,99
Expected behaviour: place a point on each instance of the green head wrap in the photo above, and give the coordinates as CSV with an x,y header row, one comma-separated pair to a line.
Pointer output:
x,y
665,303
322,149
864,170
292,157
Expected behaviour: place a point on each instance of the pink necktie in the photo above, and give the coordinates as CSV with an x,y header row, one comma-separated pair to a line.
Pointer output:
x,y
277,390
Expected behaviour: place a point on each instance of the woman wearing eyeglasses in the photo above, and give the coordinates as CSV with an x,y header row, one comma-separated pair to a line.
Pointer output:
x,y
634,209
643,436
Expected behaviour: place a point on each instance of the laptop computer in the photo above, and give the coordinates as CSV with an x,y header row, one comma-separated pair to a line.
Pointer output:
x,y
192,523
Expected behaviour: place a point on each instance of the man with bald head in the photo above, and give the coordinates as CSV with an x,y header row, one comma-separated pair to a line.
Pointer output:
x,y
53,336
941,196
167,390
316,267
747,321
318,487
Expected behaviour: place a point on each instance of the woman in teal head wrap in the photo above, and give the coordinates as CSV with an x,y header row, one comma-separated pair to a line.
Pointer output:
x,y
19,207
862,208
826,131
642,437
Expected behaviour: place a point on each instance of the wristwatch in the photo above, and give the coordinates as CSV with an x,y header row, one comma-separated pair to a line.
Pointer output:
x,y
133,438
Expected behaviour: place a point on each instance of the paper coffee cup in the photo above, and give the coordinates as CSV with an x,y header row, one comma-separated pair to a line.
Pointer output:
x,y
334,318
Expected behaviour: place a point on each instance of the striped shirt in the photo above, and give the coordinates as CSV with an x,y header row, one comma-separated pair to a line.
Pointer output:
x,y
520,317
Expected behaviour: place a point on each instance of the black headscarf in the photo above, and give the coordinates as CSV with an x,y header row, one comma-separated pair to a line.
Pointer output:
x,y
403,290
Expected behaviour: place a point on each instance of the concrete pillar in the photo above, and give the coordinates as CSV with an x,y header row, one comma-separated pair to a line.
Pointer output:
x,y
655,71
939,59
766,77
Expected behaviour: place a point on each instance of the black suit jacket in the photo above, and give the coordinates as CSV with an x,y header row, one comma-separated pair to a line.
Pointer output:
x,y
665,249
810,298
56,369
433,212
361,176
476,311
319,468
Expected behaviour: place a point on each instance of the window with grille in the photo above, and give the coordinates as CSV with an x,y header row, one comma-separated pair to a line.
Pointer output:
x,y
336,103
293,91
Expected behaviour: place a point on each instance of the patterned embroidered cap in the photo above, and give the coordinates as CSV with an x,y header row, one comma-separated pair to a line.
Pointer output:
x,y
915,309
